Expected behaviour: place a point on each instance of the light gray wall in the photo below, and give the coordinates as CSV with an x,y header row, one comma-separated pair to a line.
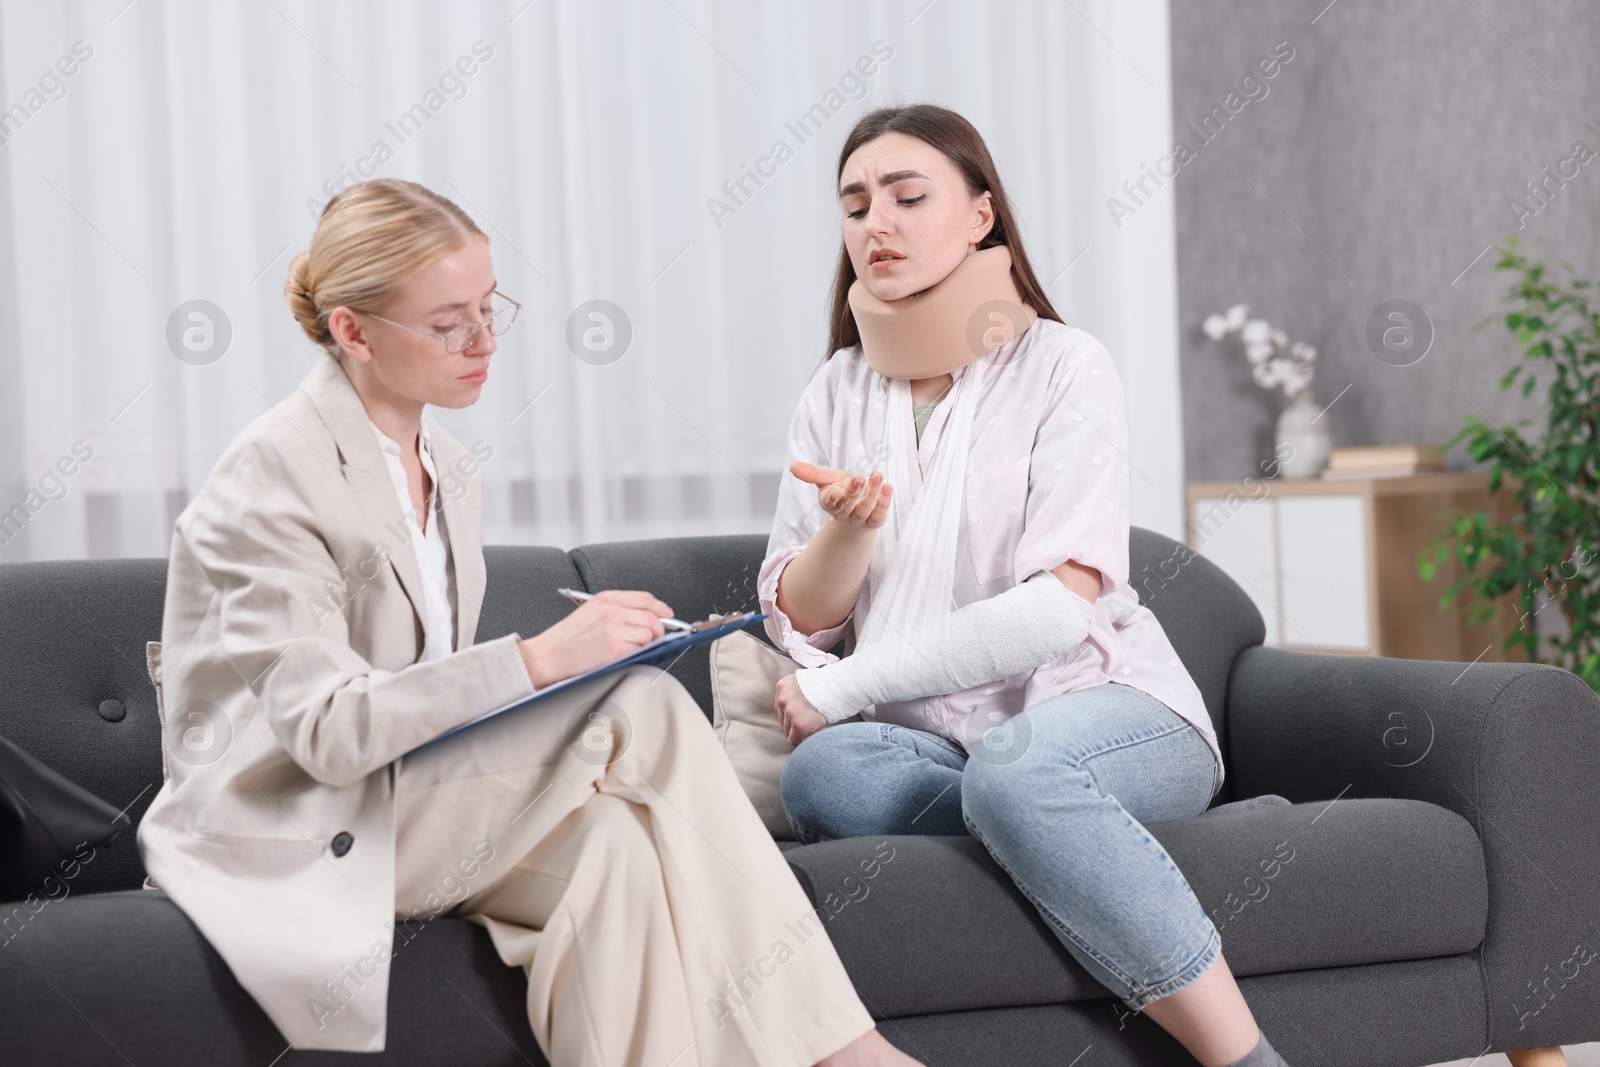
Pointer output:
x,y
1392,141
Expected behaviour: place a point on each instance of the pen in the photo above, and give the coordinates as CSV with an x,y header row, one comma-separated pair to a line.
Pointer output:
x,y
578,596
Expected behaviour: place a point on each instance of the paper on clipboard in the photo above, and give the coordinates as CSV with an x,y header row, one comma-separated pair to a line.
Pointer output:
x,y
667,645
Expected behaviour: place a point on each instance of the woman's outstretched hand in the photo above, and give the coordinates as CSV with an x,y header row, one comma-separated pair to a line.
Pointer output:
x,y
849,498
610,624
800,720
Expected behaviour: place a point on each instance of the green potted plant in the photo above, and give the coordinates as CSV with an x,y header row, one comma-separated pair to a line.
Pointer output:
x,y
1554,529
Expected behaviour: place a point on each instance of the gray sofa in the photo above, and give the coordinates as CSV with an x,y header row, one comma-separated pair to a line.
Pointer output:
x,y
1428,896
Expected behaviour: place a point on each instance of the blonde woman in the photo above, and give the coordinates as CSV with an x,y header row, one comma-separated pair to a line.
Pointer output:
x,y
322,598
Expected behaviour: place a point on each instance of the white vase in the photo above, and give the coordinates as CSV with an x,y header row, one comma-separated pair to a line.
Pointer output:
x,y
1302,445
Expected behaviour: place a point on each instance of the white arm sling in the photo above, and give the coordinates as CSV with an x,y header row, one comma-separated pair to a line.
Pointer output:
x,y
914,643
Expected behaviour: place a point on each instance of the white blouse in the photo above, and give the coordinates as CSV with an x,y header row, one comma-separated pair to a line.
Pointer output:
x,y
432,546
1047,480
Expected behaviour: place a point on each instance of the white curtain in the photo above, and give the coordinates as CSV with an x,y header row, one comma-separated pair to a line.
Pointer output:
x,y
602,147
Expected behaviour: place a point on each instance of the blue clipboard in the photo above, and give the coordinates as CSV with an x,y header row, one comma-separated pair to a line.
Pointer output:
x,y
668,646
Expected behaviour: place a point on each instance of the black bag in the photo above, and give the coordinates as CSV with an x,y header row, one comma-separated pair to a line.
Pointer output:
x,y
44,819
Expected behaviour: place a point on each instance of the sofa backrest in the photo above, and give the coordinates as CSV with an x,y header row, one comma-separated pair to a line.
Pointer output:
x,y
1204,613
75,694
74,691
696,576
1206,616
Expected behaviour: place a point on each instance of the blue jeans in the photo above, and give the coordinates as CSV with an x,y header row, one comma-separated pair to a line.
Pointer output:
x,y
1057,794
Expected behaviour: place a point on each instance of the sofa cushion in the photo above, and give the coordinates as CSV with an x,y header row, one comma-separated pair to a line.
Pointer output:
x,y
1205,615
520,590
744,676
70,1000
938,926
935,927
74,691
695,576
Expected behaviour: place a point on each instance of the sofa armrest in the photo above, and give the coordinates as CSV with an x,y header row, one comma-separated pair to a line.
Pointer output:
x,y
1514,748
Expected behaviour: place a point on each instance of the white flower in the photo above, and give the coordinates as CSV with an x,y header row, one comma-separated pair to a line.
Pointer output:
x,y
1274,361
1296,377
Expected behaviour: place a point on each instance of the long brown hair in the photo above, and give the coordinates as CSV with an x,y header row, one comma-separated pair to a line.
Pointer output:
x,y
959,140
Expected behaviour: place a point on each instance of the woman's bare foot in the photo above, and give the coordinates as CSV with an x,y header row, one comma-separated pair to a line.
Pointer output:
x,y
868,1050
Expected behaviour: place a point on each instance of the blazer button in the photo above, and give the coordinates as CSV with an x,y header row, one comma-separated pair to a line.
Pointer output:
x,y
342,842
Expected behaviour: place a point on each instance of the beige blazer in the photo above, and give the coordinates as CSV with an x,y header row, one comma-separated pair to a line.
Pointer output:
x,y
289,685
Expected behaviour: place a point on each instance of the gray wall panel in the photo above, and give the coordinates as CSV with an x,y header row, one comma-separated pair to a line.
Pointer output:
x,y
1392,142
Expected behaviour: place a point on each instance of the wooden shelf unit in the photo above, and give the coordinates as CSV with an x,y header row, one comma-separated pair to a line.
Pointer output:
x,y
1332,563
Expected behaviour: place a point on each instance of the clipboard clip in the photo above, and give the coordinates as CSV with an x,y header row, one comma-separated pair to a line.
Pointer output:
x,y
711,624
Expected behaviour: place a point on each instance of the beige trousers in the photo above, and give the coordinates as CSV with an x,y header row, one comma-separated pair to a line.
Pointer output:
x,y
603,840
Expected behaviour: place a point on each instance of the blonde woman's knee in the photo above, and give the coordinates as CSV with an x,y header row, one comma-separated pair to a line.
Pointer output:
x,y
646,686
658,710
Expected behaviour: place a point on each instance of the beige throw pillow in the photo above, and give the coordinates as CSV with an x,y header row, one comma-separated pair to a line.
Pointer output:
x,y
152,664
744,678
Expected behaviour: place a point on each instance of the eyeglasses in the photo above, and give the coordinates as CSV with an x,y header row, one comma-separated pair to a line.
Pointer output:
x,y
460,338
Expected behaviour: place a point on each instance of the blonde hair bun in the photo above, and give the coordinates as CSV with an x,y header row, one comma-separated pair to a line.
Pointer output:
x,y
372,237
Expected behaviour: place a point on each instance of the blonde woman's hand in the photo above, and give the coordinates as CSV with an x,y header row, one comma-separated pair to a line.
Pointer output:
x,y
610,624
800,720
849,498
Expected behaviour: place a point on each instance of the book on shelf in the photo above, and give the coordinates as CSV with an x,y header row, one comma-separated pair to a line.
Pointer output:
x,y
1378,472
1383,460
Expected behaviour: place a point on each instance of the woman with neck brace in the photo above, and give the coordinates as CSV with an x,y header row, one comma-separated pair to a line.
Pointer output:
x,y
957,508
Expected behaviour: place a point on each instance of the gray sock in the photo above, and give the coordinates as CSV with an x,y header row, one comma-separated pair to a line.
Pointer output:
x,y
1263,1055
